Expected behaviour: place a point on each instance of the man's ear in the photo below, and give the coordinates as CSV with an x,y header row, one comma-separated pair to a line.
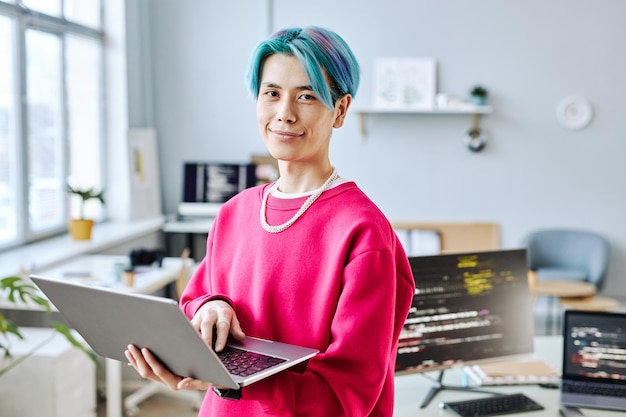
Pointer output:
x,y
341,109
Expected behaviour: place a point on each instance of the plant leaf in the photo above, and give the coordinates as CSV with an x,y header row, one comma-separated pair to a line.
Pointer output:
x,y
65,331
17,290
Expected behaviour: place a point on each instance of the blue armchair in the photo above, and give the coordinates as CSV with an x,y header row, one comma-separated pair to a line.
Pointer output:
x,y
568,255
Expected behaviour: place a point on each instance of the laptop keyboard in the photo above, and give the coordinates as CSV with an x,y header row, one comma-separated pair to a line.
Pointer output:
x,y
491,406
607,390
245,363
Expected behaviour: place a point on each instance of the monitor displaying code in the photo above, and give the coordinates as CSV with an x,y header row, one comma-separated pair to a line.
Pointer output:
x,y
211,182
467,308
595,346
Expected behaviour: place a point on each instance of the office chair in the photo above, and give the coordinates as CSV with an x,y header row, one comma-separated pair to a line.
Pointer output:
x,y
560,254
568,255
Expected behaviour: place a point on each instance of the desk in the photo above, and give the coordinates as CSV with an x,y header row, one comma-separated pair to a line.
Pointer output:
x,y
594,303
194,233
561,289
100,270
412,388
106,236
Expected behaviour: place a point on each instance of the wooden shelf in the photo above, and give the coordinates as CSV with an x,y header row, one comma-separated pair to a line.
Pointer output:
x,y
467,109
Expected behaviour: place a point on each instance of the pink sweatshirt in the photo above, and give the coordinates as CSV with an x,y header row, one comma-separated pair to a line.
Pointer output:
x,y
337,280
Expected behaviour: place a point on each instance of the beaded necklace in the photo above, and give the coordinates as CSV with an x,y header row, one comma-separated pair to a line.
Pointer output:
x,y
300,212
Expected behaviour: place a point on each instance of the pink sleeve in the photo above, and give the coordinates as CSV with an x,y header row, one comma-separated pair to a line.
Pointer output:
x,y
198,292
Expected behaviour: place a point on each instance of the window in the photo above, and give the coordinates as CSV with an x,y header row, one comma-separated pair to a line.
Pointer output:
x,y
8,134
51,54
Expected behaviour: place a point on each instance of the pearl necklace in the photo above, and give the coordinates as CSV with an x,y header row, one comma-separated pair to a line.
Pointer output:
x,y
305,206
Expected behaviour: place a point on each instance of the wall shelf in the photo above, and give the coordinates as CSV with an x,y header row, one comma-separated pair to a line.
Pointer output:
x,y
468,109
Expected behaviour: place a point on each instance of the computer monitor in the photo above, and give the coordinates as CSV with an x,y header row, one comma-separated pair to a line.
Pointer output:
x,y
467,308
208,185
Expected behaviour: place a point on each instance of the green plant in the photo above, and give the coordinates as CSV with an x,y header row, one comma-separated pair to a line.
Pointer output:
x,y
479,91
16,290
85,195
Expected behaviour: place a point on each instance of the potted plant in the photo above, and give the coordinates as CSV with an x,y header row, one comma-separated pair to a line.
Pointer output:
x,y
80,228
478,95
16,290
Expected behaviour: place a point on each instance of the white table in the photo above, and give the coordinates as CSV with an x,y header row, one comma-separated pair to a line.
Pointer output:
x,y
411,389
101,270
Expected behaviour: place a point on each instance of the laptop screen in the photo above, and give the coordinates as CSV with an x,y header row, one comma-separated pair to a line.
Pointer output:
x,y
595,346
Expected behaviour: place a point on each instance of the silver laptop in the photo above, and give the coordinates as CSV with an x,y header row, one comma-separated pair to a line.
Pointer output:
x,y
110,320
594,360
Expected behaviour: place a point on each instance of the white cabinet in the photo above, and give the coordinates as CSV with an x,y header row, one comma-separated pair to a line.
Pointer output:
x,y
58,380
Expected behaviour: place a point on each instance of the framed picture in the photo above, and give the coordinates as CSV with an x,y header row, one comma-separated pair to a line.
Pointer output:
x,y
145,184
405,83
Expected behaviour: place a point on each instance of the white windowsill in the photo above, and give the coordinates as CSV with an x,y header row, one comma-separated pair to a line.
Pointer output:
x,y
49,252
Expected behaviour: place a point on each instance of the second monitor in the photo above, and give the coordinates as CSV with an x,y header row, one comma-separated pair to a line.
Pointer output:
x,y
467,308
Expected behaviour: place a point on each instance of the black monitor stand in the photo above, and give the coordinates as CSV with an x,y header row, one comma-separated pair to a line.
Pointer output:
x,y
439,386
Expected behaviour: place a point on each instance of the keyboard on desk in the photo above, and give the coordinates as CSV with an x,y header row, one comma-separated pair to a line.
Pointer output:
x,y
245,363
491,406
608,390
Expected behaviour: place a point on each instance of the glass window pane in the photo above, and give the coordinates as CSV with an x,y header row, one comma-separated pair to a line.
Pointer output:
x,y
51,7
84,84
8,137
46,190
85,12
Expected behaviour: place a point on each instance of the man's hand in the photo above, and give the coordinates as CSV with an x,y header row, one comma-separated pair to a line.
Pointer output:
x,y
149,367
220,315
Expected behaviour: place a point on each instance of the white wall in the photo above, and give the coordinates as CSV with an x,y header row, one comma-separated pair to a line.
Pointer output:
x,y
529,54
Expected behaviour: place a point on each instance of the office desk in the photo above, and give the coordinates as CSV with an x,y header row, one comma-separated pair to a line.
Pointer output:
x,y
557,290
101,270
563,288
411,389
191,233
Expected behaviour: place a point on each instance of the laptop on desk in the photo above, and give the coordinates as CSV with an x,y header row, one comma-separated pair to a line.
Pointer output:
x,y
110,320
594,360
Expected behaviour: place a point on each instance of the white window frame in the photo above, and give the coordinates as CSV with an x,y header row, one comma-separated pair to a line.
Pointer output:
x,y
25,19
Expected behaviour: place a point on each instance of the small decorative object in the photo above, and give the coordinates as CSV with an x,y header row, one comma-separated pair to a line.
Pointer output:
x,y
475,139
80,228
128,278
478,95
574,112
441,99
404,83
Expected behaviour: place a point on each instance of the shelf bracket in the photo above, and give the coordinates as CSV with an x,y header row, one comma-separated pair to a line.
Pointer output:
x,y
475,140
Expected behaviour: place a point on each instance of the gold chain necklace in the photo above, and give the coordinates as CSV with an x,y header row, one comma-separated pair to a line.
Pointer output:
x,y
300,212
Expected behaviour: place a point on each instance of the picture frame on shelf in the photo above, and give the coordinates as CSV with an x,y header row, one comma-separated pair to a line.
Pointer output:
x,y
404,83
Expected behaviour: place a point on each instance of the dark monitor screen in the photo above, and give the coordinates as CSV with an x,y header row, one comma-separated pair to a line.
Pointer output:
x,y
467,308
215,182
594,345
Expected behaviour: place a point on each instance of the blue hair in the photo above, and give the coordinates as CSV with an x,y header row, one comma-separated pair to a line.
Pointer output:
x,y
320,51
